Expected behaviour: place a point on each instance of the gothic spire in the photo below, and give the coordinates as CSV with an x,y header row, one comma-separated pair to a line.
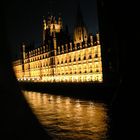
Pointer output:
x,y
79,16
80,31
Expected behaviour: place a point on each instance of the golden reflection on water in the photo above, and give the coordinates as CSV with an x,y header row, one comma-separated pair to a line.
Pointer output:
x,y
69,119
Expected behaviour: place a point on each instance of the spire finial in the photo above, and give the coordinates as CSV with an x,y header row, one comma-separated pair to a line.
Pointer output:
x,y
80,21
51,6
44,23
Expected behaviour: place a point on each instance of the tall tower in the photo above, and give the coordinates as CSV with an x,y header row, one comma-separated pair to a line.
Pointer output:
x,y
23,58
51,26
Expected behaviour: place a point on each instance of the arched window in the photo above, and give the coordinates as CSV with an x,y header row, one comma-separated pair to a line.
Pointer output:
x,y
66,61
62,61
70,71
90,56
96,55
97,70
84,57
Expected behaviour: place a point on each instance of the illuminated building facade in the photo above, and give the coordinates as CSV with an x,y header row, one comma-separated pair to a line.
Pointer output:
x,y
61,59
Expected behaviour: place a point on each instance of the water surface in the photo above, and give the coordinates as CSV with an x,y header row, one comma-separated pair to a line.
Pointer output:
x,y
69,119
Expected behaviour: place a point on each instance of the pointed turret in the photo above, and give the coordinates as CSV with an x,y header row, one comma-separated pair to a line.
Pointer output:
x,y
44,28
44,23
60,21
79,16
80,31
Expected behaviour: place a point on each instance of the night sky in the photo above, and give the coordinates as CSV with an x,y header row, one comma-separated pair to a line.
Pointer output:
x,y
24,18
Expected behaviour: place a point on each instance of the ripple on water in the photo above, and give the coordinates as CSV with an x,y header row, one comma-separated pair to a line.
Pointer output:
x,y
69,119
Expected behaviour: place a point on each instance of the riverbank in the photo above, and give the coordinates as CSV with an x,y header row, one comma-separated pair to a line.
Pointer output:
x,y
88,91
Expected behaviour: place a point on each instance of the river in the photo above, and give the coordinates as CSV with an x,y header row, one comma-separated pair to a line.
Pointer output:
x,y
66,118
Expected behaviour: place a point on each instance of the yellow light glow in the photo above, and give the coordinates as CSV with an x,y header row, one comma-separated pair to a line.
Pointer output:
x,y
79,65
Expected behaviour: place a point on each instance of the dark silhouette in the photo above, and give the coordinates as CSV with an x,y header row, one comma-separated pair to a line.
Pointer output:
x,y
16,118
116,21
118,28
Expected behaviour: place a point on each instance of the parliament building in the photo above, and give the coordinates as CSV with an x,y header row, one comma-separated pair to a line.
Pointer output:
x,y
61,58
